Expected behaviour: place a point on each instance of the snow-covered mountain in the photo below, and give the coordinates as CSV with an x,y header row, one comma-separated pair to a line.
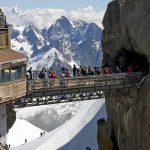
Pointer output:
x,y
63,43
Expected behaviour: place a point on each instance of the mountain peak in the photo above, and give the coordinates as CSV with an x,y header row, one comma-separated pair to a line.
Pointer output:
x,y
64,24
62,20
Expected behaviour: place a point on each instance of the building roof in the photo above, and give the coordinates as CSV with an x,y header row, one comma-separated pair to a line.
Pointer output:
x,y
10,56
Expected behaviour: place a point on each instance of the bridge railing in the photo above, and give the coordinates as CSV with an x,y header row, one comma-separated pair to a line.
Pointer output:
x,y
87,81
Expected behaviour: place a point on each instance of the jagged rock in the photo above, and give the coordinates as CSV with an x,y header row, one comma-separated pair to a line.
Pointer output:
x,y
126,26
103,138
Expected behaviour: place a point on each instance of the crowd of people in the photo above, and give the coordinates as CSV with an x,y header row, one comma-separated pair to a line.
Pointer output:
x,y
75,72
78,71
83,71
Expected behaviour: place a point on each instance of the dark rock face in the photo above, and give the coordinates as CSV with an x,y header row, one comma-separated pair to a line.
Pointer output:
x,y
126,26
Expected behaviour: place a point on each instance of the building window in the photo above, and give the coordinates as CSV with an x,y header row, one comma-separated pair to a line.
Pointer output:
x,y
14,74
6,75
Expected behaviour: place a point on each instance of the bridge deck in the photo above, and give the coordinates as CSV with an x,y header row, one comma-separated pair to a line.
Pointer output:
x,y
80,88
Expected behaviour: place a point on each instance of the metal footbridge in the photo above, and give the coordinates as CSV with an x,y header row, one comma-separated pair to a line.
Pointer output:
x,y
50,91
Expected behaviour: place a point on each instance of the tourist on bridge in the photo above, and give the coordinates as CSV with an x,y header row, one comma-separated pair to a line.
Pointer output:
x,y
67,74
42,73
52,73
74,70
136,68
97,71
117,69
78,72
106,70
62,72
83,70
90,71
129,69
45,74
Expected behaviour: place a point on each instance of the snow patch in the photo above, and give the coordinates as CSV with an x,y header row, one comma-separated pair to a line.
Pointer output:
x,y
22,130
25,47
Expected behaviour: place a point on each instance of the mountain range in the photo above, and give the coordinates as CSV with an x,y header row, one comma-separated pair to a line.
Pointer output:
x,y
64,43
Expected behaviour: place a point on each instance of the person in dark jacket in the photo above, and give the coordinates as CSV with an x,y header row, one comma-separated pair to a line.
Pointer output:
x,y
74,70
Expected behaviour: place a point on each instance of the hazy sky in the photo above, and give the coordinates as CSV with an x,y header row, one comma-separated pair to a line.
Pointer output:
x,y
64,4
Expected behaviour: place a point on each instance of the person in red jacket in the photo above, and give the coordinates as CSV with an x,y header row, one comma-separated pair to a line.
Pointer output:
x,y
106,70
52,74
129,69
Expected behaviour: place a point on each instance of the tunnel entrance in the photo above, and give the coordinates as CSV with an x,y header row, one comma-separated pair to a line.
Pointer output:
x,y
131,58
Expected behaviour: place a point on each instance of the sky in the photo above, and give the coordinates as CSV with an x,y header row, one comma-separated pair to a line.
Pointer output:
x,y
44,13
63,4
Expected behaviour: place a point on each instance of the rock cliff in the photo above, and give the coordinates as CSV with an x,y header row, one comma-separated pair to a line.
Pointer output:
x,y
127,31
103,138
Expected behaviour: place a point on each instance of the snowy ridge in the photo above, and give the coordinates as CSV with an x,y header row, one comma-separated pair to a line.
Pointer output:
x,y
47,59
76,133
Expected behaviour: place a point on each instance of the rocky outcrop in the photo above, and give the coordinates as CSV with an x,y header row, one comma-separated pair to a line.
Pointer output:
x,y
103,138
126,27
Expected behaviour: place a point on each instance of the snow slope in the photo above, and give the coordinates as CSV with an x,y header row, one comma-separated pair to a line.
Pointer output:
x,y
49,117
22,130
75,134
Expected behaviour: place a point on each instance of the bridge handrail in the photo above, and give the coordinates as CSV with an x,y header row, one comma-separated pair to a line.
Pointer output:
x,y
119,78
